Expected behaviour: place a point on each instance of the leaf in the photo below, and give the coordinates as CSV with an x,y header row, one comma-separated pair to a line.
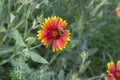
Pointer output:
x,y
12,17
30,40
37,6
84,66
14,75
61,75
6,50
75,76
91,3
16,36
45,2
100,14
35,57
2,29
93,13
92,51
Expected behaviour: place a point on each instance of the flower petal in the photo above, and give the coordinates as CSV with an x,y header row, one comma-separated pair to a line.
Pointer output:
x,y
118,65
43,36
118,11
111,67
54,46
109,78
61,43
62,23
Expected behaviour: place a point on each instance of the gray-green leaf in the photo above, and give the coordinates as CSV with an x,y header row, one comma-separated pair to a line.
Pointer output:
x,y
19,40
2,29
84,66
35,57
92,51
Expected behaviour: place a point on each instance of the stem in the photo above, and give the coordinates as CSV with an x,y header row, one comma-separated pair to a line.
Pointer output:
x,y
34,6
26,34
54,58
47,54
11,57
36,46
30,29
4,38
83,60
20,7
26,28
111,13
17,25
9,13
7,60
98,77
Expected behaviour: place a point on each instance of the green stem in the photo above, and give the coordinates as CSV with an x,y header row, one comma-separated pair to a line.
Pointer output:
x,y
26,28
12,56
4,38
47,54
7,60
9,13
36,46
97,77
51,61
18,25
20,7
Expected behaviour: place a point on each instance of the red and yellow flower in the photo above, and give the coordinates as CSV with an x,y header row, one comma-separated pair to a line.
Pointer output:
x,y
113,71
53,33
118,11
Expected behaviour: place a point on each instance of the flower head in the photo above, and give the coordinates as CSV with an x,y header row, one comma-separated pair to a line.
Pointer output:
x,y
118,11
113,71
53,32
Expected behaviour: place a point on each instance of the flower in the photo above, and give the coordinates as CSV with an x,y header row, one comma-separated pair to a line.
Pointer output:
x,y
118,11
53,32
84,54
113,71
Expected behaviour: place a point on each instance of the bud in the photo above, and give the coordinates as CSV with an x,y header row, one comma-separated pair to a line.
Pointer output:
x,y
84,54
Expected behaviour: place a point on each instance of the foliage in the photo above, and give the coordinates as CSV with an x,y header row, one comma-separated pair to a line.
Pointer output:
x,y
22,71
94,29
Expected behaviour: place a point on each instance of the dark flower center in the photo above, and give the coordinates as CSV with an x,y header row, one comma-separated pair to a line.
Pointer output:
x,y
116,74
55,33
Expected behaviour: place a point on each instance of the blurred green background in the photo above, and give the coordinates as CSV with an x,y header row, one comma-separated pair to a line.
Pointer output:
x,y
94,28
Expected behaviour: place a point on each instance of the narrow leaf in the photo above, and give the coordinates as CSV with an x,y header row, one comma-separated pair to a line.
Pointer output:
x,y
19,41
35,57
83,67
2,29
12,17
61,75
92,51
30,40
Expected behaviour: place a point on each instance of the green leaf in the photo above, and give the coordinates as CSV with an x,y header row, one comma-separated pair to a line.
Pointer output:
x,y
61,75
75,76
91,3
97,8
84,66
2,29
6,50
14,75
30,40
35,57
100,14
12,17
92,51
19,41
